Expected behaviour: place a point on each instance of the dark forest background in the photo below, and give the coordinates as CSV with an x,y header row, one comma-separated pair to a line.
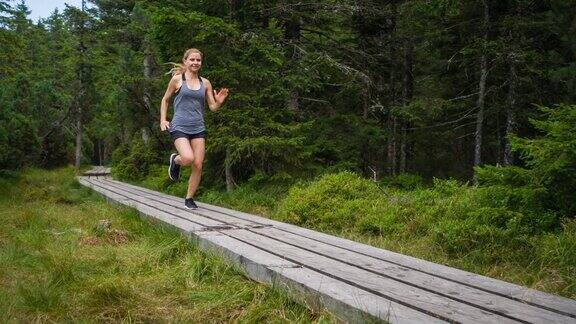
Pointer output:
x,y
382,88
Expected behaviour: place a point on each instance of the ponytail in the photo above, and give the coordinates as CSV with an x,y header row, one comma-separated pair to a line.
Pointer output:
x,y
178,68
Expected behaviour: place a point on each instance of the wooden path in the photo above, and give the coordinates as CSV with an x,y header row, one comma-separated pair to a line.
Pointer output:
x,y
354,281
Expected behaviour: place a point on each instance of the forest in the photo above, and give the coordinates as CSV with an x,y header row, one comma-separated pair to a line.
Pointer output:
x,y
457,117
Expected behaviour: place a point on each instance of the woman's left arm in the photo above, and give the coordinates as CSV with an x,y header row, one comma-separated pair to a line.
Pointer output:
x,y
215,99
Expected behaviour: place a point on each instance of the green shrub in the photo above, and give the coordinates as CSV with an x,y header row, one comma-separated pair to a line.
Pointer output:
x,y
334,202
559,248
137,163
447,187
19,143
405,181
461,237
382,221
552,157
489,175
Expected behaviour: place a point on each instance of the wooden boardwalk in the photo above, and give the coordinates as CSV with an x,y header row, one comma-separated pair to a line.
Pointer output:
x,y
354,281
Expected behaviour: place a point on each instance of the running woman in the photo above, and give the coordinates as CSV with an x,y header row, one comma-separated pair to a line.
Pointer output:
x,y
187,125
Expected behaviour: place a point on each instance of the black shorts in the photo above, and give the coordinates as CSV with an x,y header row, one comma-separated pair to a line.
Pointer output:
x,y
178,134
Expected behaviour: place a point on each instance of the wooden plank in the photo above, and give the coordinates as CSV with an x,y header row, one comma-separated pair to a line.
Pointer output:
x,y
346,301
97,171
315,289
109,196
556,303
258,264
182,225
544,300
176,206
456,291
530,296
410,296
206,222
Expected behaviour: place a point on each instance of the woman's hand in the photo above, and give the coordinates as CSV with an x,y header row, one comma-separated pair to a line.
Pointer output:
x,y
221,95
164,125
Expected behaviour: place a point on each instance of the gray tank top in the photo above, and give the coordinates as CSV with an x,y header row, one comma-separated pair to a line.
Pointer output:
x,y
189,109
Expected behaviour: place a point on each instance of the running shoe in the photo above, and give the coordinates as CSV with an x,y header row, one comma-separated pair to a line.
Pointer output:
x,y
190,204
173,169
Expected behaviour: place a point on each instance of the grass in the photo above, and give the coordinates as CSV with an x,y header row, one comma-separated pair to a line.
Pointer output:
x,y
56,265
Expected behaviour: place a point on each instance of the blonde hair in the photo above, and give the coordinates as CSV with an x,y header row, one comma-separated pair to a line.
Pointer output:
x,y
179,68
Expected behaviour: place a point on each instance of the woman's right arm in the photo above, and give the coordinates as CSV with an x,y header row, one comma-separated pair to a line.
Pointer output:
x,y
172,86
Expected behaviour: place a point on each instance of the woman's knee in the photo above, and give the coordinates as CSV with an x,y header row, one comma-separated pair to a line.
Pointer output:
x,y
186,159
197,164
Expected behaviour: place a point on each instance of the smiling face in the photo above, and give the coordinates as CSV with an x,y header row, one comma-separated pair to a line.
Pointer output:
x,y
193,62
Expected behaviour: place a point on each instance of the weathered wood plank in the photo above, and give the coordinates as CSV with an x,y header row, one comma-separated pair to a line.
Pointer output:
x,y
109,196
98,171
530,296
143,200
313,288
410,296
176,206
450,289
526,295
185,226
308,248
347,301
316,290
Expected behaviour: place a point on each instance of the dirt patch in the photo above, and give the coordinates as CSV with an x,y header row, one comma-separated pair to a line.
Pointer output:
x,y
111,236
105,235
90,240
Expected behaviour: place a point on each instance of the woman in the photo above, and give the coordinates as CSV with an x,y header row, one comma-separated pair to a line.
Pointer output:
x,y
187,126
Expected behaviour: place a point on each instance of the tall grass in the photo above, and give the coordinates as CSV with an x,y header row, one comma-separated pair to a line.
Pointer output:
x,y
56,265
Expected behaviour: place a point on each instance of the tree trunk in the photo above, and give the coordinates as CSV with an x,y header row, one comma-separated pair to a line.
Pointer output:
x,y
510,112
365,102
392,145
392,120
407,93
228,173
145,135
481,94
78,155
402,167
148,62
80,100
292,34
293,101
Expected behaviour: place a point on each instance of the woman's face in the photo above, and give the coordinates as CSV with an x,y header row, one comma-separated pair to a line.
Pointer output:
x,y
194,62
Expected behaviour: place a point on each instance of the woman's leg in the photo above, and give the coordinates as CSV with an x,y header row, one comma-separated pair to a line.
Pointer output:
x,y
185,152
197,145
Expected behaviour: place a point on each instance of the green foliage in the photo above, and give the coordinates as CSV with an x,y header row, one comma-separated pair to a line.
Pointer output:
x,y
514,176
19,142
57,148
406,181
549,181
459,218
335,201
135,163
558,248
552,157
